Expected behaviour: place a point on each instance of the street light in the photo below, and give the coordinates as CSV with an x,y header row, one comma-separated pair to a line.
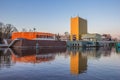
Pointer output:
x,y
37,45
34,29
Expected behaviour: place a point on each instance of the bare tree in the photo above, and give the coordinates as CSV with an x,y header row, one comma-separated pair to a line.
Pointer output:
x,y
1,26
30,30
67,35
6,30
24,30
57,36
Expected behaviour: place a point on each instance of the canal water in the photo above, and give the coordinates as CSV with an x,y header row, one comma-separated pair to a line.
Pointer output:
x,y
60,64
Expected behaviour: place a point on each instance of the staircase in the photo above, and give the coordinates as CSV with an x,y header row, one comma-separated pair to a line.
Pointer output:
x,y
11,44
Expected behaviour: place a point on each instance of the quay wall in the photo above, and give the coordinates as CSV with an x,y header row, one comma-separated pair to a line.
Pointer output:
x,y
41,43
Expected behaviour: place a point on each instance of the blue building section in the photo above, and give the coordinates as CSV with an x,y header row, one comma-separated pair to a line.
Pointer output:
x,y
82,44
118,45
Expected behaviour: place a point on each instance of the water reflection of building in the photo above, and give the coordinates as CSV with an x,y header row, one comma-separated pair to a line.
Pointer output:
x,y
5,59
118,50
78,62
32,59
80,56
35,55
98,52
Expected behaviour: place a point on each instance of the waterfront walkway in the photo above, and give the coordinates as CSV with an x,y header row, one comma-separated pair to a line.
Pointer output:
x,y
6,45
3,45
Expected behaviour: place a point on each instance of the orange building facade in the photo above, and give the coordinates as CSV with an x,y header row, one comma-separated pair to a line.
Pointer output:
x,y
31,35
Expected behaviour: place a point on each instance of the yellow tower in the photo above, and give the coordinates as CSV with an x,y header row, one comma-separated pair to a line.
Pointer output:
x,y
78,27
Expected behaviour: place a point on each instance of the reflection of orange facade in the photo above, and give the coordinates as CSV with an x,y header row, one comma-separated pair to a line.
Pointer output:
x,y
31,59
78,63
31,35
31,55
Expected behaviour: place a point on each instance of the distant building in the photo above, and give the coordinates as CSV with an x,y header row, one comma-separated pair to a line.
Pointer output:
x,y
106,37
92,37
65,37
78,27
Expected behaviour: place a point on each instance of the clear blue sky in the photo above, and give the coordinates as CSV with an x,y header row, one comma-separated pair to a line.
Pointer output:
x,y
103,16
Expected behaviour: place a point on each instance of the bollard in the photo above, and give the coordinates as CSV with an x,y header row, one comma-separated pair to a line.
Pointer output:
x,y
37,45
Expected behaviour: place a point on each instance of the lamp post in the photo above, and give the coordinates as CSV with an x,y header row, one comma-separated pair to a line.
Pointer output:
x,y
37,45
34,29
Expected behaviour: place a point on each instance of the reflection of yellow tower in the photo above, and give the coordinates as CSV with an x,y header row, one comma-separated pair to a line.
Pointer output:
x,y
78,27
78,63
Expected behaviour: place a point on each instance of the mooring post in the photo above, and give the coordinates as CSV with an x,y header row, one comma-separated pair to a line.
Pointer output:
x,y
37,45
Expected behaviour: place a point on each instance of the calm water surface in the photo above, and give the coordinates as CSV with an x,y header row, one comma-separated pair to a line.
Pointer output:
x,y
60,64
